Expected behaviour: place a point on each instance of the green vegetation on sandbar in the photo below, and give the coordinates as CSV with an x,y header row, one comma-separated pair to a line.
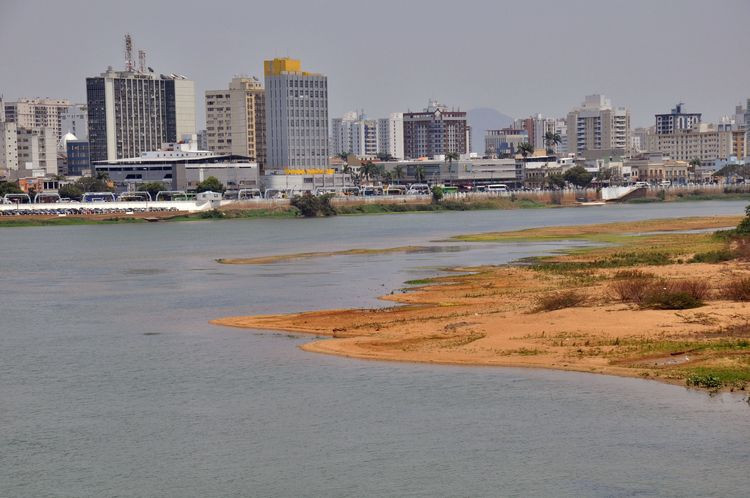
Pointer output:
x,y
604,232
420,281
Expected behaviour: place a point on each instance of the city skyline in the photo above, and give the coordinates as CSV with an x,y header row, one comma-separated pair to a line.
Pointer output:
x,y
473,72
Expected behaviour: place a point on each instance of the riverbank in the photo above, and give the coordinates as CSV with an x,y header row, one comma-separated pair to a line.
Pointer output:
x,y
343,208
575,311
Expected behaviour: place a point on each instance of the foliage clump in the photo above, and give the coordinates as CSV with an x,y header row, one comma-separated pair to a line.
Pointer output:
x,y
310,205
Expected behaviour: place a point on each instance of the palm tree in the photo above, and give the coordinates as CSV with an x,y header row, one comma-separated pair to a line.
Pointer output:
x,y
343,155
451,156
694,164
419,174
552,140
398,173
368,169
525,149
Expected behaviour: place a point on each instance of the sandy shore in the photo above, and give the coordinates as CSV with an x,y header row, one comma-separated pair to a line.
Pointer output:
x,y
492,317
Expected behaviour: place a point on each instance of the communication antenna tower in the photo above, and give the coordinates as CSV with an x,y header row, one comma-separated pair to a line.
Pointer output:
x,y
129,63
142,61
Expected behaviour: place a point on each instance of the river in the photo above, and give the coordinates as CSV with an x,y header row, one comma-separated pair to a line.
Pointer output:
x,y
112,382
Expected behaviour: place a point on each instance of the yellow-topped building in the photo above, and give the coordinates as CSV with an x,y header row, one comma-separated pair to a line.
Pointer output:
x,y
296,117
278,66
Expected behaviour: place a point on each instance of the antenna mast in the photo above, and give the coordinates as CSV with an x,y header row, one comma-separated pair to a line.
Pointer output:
x,y
129,62
142,61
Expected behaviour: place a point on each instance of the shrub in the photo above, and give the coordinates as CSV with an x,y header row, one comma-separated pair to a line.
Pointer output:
x,y
632,290
707,381
661,195
661,294
666,300
437,194
311,206
713,256
213,214
627,274
559,300
737,289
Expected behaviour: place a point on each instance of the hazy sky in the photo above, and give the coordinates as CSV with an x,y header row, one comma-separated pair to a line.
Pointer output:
x,y
519,57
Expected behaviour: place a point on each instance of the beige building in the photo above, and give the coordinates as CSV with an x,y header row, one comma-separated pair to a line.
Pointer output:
x,y
235,119
654,168
37,113
597,126
703,141
37,150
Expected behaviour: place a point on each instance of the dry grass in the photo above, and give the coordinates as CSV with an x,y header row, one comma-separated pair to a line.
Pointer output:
x,y
643,290
559,300
737,289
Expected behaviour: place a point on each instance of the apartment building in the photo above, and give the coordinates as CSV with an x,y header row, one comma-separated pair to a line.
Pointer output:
x,y
504,142
37,113
236,119
537,127
37,150
296,116
130,112
435,131
676,120
597,126
706,142
8,147
354,134
391,135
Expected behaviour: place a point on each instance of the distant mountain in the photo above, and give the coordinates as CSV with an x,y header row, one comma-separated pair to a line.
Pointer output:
x,y
481,120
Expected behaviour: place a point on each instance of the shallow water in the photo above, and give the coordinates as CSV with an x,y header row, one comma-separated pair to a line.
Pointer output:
x,y
112,382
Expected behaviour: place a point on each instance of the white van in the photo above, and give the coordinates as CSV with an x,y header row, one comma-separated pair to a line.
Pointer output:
x,y
497,187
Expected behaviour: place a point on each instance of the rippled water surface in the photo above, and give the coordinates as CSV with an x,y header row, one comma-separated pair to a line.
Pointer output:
x,y
112,383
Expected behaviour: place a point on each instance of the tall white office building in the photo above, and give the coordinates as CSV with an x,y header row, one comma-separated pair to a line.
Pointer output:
x,y
296,116
391,135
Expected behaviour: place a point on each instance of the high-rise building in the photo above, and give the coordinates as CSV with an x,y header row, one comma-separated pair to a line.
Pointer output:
x,y
130,112
391,135
236,119
537,127
435,131
37,113
676,120
74,119
354,134
597,126
296,116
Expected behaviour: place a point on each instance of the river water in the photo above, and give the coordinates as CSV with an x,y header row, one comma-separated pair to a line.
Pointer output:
x,y
112,383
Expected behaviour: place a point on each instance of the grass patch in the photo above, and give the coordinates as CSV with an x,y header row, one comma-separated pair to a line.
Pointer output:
x,y
419,281
713,257
711,377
